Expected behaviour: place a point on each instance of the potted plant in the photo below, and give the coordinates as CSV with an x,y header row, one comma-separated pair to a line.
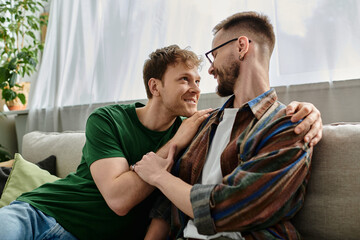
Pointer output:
x,y
19,45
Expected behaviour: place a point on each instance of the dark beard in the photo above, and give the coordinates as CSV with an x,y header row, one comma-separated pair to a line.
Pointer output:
x,y
227,79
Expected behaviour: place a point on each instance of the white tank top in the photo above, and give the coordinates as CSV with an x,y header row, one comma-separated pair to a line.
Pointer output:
x,y
211,173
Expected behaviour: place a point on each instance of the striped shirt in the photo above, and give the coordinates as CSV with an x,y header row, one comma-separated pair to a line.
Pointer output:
x,y
265,166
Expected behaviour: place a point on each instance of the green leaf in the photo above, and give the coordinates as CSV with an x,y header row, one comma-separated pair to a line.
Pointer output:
x,y
19,86
21,55
31,34
12,27
32,62
4,74
12,64
31,69
13,79
13,60
22,98
3,84
8,94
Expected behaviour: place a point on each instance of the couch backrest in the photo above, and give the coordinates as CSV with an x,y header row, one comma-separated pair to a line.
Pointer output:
x,y
66,146
332,203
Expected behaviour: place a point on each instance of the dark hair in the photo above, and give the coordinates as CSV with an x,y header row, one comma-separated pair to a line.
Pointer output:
x,y
160,59
252,22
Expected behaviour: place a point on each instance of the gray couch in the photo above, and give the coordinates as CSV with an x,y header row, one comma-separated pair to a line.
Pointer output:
x,y
332,203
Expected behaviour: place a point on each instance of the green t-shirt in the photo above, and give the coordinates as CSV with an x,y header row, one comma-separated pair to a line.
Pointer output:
x,y
76,203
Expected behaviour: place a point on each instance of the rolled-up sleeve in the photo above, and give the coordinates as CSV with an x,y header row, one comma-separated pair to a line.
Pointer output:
x,y
200,198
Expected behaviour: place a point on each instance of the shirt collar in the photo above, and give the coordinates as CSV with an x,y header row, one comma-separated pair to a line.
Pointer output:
x,y
258,105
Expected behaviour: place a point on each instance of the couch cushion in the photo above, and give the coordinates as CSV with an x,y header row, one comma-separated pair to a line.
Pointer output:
x,y
48,164
332,202
66,146
24,177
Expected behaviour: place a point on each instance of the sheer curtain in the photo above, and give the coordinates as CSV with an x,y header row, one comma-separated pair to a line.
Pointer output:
x,y
95,49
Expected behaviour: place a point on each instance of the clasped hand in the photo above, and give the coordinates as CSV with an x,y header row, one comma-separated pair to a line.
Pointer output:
x,y
151,166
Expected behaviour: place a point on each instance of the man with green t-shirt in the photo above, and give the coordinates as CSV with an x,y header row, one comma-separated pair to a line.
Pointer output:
x,y
103,199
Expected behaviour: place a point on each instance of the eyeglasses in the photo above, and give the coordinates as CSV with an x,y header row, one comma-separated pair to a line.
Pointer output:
x,y
210,57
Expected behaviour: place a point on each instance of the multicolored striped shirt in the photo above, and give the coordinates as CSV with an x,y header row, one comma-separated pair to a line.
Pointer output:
x,y
266,168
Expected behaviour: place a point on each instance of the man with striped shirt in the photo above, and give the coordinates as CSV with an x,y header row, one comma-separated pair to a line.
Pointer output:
x,y
244,174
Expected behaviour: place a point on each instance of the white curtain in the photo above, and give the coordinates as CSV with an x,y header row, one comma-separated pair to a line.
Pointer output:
x,y
95,49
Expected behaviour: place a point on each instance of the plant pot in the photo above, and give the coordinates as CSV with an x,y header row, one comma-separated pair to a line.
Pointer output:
x,y
16,105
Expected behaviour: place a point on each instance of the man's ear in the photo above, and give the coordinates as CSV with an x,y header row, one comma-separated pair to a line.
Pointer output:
x,y
154,85
243,47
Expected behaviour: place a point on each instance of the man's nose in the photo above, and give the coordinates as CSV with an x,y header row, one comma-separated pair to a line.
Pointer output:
x,y
195,88
211,69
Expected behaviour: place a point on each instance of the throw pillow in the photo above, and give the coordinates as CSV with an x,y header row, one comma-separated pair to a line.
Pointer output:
x,y
48,164
24,177
4,174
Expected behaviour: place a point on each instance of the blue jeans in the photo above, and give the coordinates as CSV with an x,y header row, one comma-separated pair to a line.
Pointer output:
x,y
20,220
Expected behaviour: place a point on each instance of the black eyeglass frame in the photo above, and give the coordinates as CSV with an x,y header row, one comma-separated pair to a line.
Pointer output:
x,y
207,53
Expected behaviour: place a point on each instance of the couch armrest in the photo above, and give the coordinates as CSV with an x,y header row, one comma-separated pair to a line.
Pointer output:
x,y
66,146
332,203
